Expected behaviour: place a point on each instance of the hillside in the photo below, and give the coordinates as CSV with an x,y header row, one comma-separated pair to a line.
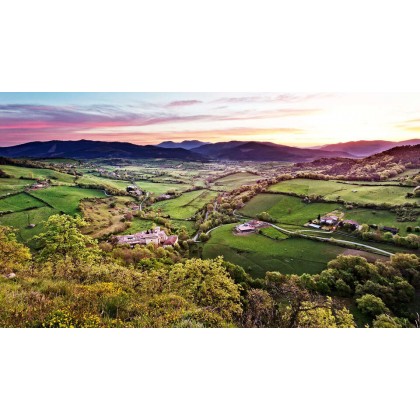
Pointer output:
x,y
186,144
363,148
378,166
261,151
90,149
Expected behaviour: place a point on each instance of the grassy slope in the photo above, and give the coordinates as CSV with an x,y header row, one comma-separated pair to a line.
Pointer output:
x,y
66,199
186,205
97,180
161,188
11,185
19,202
331,190
291,210
287,209
258,254
21,220
233,181
38,173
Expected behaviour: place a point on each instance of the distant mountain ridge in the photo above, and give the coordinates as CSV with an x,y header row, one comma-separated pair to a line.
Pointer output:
x,y
186,144
262,151
363,148
197,150
92,149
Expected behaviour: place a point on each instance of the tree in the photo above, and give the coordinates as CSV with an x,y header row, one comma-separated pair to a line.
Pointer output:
x,y
387,321
259,310
208,285
371,305
13,255
63,240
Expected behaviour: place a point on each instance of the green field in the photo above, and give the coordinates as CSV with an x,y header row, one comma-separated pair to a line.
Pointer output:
x,y
89,179
332,190
291,210
186,205
21,220
11,185
37,173
233,181
19,202
159,188
66,199
258,254
287,209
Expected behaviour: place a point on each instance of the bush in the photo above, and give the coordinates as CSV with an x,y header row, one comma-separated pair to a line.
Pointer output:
x,y
371,305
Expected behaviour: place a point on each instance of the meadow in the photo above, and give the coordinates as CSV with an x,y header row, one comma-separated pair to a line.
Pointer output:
x,y
37,173
332,190
159,188
292,210
186,205
287,209
258,254
21,220
236,180
12,185
19,202
65,198
89,179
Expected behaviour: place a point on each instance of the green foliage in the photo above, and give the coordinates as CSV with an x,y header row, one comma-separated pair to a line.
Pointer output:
x,y
63,241
13,255
371,305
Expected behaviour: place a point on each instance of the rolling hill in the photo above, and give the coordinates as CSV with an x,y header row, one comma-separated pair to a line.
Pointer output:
x,y
90,149
364,148
262,151
186,144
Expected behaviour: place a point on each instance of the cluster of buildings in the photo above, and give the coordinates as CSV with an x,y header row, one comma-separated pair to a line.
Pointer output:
x,y
39,185
250,226
155,236
331,222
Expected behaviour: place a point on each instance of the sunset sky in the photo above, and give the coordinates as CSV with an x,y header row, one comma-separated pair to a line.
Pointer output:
x,y
149,118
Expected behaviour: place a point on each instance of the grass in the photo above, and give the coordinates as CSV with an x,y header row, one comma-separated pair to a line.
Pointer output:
x,y
159,188
258,254
233,181
287,209
19,202
186,205
37,173
273,233
97,180
332,190
22,219
11,185
64,198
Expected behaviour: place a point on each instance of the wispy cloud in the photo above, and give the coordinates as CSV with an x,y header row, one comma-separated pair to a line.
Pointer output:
x,y
184,103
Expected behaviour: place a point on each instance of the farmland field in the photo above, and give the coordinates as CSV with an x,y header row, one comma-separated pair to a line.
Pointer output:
x,y
186,205
233,181
161,188
291,210
108,182
11,185
19,202
258,254
21,220
332,190
66,199
37,173
287,209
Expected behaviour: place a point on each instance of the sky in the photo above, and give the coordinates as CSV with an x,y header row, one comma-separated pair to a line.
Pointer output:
x,y
295,119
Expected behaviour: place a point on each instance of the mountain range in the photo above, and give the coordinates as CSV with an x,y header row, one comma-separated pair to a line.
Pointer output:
x,y
363,148
197,150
